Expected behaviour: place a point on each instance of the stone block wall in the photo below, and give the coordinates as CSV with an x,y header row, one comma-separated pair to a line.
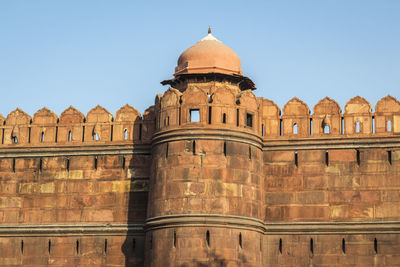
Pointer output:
x,y
74,189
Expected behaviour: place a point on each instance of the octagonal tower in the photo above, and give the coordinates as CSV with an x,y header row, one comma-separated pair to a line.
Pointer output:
x,y
205,202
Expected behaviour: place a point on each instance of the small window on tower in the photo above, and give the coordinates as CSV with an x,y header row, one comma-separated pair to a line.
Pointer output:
x,y
194,115
249,120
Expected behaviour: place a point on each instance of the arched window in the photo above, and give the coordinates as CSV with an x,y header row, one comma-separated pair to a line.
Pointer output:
x,y
327,129
42,137
389,126
69,136
295,128
15,139
96,137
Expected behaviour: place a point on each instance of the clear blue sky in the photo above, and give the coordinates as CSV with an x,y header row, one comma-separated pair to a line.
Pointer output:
x,y
84,53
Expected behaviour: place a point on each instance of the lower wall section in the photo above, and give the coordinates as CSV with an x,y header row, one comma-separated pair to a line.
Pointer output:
x,y
332,250
203,246
72,246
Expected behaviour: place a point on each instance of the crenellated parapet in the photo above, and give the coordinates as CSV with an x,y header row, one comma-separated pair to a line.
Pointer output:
x,y
327,119
73,128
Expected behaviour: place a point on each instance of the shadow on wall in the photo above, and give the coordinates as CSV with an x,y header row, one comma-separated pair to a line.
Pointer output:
x,y
133,246
217,261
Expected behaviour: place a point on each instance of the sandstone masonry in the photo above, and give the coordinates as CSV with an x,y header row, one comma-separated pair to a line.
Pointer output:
x,y
210,175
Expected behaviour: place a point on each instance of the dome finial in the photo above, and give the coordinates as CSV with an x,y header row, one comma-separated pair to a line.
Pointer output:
x,y
209,29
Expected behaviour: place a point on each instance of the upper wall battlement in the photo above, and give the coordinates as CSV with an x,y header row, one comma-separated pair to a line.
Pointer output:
x,y
328,120
73,128
220,108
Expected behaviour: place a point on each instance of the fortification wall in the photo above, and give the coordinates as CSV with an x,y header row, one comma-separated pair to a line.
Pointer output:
x,y
320,189
332,183
73,189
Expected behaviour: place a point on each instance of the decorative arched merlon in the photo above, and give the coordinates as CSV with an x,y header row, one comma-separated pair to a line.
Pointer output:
x,y
43,129
147,129
170,98
326,117
194,98
327,106
125,120
388,104
247,100
17,125
295,119
127,113
387,115
102,118
71,115
44,116
357,105
98,114
169,108
223,97
18,117
357,116
70,128
270,122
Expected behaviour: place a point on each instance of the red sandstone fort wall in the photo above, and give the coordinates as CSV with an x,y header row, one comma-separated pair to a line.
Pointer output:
x,y
338,173
74,189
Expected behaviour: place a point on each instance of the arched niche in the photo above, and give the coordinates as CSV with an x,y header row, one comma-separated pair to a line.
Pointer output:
x,y
357,117
125,119
98,125
387,115
70,126
170,108
270,125
146,129
44,125
296,118
16,129
326,117
223,107
194,98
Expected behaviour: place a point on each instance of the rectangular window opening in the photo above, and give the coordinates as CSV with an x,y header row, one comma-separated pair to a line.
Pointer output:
x,y
311,126
209,115
389,152
249,120
237,117
194,115
296,161
358,157
262,130
280,128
